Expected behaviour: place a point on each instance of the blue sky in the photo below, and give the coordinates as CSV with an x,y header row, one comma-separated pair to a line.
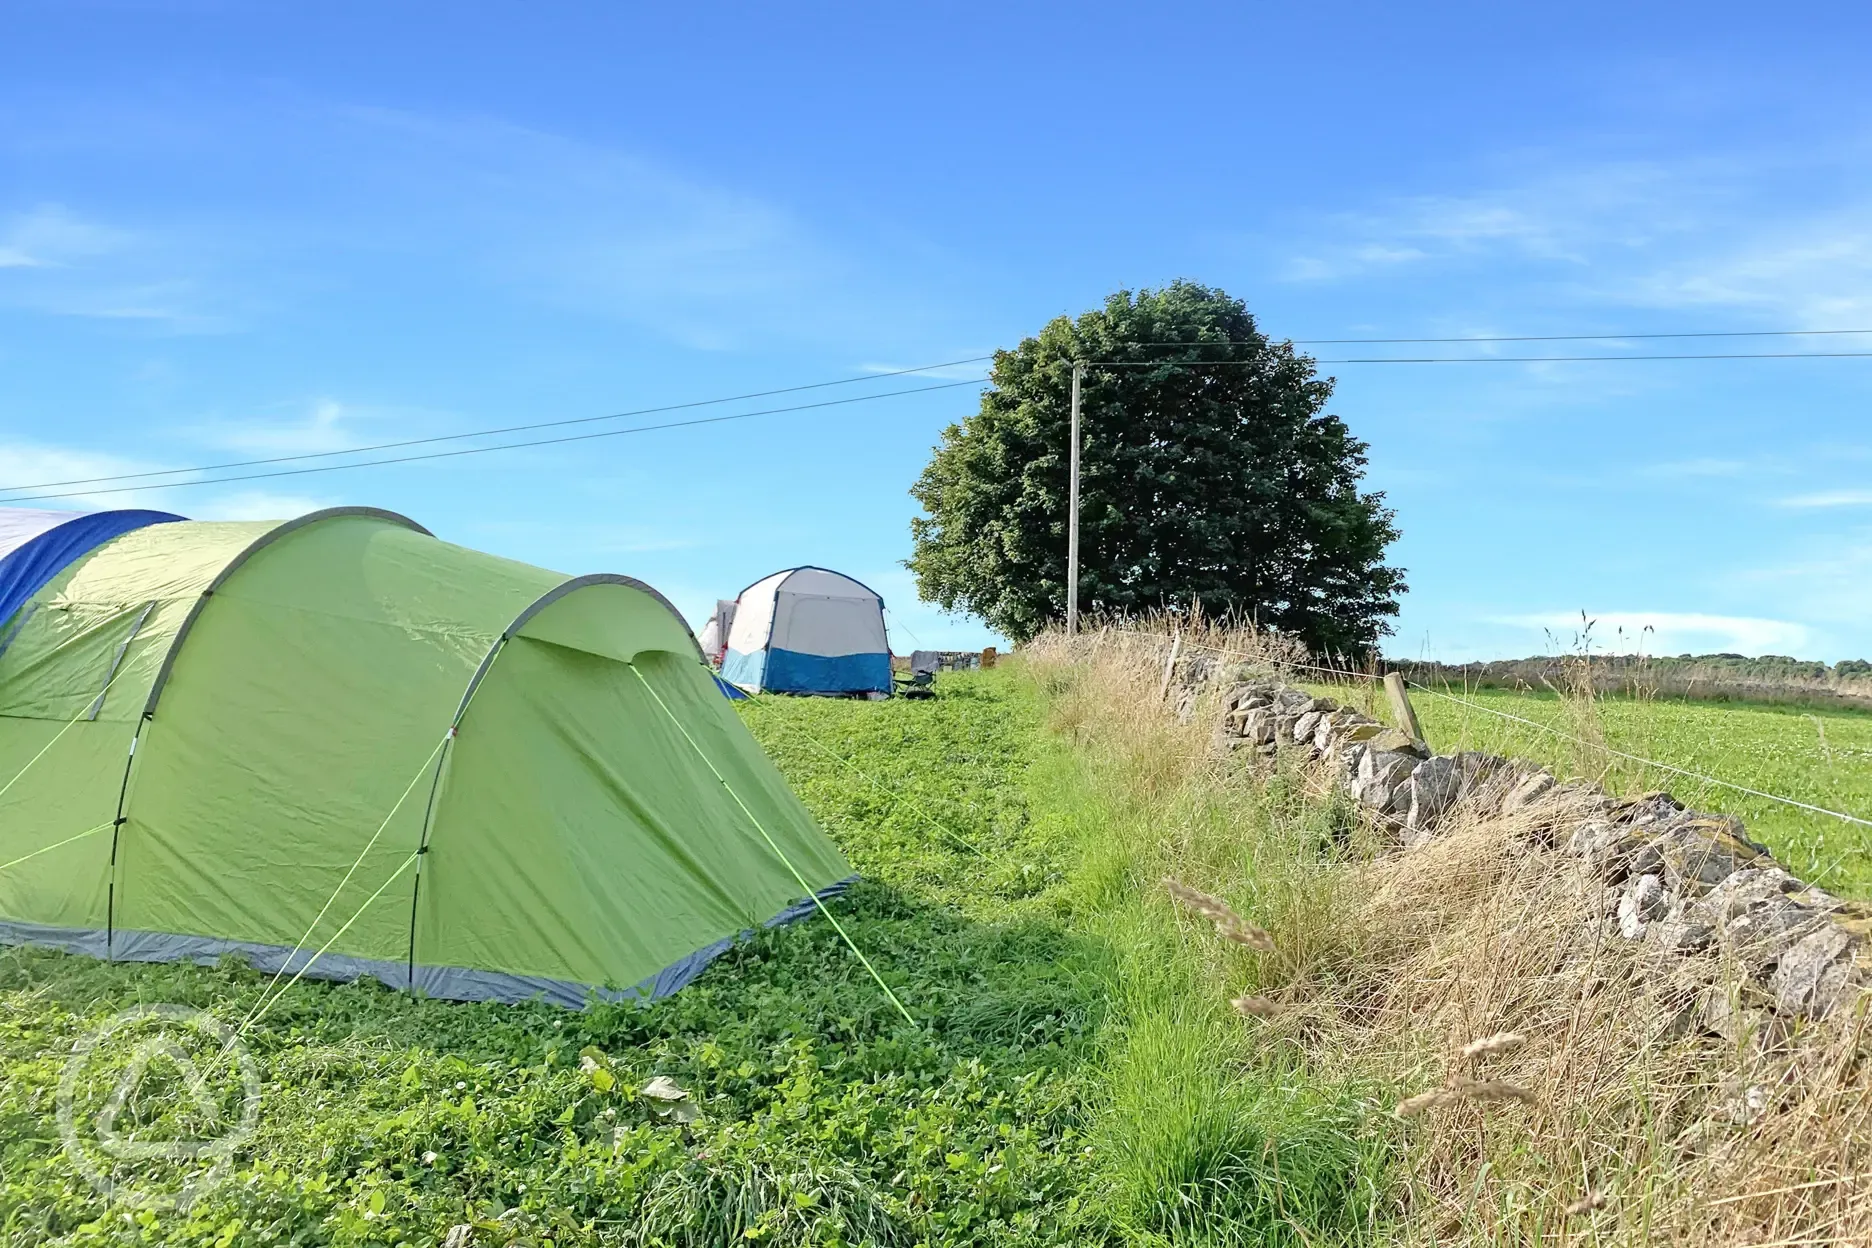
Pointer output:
x,y
229,231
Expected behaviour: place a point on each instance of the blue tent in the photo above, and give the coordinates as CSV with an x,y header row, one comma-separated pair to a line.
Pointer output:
x,y
808,630
36,546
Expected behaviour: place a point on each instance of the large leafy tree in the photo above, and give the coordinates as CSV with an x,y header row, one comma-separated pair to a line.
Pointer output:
x,y
1210,472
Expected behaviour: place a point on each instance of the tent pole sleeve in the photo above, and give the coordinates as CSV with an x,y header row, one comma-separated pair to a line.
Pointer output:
x,y
123,795
435,782
422,848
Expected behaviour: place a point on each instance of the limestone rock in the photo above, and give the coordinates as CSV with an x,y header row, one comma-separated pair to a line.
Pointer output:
x,y
1527,792
1597,842
1381,777
1813,975
1640,905
1391,741
1646,808
1305,726
1238,694
1678,935
1257,725
1293,701
1434,787
1699,853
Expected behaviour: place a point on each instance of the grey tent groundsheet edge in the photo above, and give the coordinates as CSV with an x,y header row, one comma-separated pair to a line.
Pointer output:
x,y
449,983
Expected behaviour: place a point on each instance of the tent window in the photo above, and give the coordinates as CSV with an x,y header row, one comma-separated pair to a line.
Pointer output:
x,y
117,657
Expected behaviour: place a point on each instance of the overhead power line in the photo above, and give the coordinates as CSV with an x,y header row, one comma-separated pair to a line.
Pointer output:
x,y
1349,342
503,446
1492,359
150,477
476,433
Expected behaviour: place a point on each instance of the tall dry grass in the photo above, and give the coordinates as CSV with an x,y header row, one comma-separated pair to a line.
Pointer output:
x,y
1617,1117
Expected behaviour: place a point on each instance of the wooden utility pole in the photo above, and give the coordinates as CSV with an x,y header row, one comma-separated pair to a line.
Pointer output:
x,y
1401,707
1072,511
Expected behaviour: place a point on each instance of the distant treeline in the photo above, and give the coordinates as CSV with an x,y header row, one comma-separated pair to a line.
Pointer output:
x,y
1765,678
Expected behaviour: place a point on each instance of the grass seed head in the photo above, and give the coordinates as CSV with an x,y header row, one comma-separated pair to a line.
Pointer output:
x,y
1463,1090
1423,1101
1588,1201
1501,1042
1489,1090
1229,925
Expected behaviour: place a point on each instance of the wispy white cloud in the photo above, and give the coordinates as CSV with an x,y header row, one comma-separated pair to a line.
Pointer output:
x,y
47,469
1562,218
1829,498
1815,268
322,428
607,231
1661,234
949,372
55,261
50,236
1668,632
1830,583
256,505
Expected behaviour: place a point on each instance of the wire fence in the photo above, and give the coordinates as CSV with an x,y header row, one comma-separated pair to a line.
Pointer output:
x,y
1347,673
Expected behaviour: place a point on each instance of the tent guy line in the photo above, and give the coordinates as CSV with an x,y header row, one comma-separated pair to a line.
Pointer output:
x,y
897,794
82,713
358,862
266,1005
46,849
773,845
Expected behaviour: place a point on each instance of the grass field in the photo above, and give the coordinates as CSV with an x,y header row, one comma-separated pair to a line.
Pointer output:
x,y
1820,757
1074,1075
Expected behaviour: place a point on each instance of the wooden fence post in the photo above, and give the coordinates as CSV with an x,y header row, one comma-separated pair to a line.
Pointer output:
x,y
1176,646
1401,707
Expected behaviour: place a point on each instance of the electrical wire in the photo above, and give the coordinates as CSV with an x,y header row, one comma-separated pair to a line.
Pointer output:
x,y
1493,359
14,493
484,450
1347,342
484,433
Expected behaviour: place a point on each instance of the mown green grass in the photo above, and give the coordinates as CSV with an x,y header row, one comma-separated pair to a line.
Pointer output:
x,y
1820,757
1074,1074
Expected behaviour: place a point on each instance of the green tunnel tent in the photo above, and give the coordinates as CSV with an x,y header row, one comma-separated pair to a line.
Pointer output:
x,y
223,715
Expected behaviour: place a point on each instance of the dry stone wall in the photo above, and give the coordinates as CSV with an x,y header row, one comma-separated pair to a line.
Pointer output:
x,y
1681,882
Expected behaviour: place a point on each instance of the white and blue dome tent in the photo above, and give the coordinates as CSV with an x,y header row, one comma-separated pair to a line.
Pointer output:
x,y
808,630
36,546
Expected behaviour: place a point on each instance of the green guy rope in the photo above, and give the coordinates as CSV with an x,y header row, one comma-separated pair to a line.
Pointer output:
x,y
773,845
358,862
98,702
265,1005
7,866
